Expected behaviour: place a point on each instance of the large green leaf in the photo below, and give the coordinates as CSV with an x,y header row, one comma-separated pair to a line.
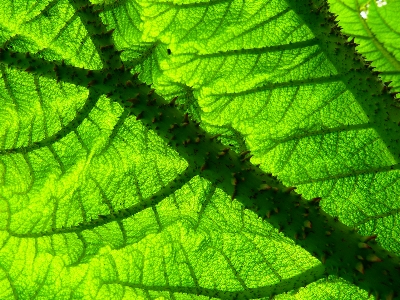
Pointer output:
x,y
108,193
283,94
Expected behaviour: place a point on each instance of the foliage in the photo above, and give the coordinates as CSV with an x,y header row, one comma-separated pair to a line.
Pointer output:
x,y
150,150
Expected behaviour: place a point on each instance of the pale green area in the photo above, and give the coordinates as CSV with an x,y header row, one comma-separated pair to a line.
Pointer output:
x,y
196,239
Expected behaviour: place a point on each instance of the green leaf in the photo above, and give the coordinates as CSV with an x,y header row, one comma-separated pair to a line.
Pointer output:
x,y
109,192
374,26
290,100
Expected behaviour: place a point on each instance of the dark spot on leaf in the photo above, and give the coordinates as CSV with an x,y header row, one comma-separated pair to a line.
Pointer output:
x,y
169,51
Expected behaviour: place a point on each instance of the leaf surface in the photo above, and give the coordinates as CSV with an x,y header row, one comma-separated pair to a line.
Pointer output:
x,y
98,204
282,97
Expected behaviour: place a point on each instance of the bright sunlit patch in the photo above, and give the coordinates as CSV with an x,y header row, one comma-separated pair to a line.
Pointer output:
x,y
364,14
381,3
364,10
